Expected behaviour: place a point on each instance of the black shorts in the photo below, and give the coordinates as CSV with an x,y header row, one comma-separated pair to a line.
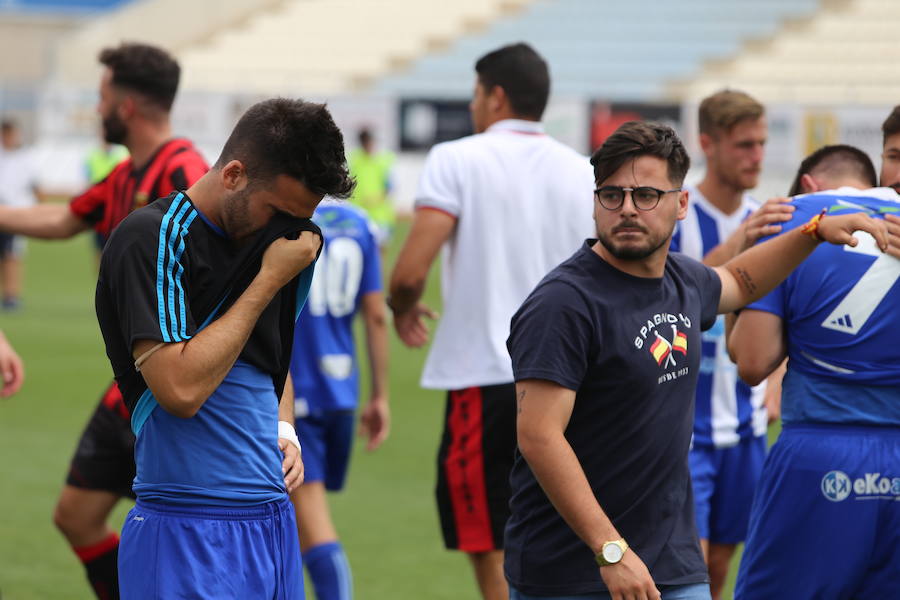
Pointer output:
x,y
474,461
104,458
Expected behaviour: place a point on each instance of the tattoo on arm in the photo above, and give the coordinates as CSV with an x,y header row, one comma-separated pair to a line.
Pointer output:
x,y
519,401
746,280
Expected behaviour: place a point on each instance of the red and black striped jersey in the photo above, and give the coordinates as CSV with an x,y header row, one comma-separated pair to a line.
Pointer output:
x,y
175,166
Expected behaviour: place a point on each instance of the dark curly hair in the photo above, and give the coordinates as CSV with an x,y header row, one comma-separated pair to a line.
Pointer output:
x,y
147,70
641,138
281,136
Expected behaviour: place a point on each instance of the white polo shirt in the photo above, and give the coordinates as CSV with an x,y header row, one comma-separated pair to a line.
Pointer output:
x,y
18,177
523,204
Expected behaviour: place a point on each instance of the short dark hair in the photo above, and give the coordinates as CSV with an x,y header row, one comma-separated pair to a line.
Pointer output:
x,y
364,136
891,125
281,136
522,74
837,159
641,138
147,70
7,125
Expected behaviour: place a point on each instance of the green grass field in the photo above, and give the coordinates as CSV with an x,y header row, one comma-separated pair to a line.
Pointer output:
x,y
386,515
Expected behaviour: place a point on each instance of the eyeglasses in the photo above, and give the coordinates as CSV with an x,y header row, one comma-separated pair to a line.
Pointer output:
x,y
612,197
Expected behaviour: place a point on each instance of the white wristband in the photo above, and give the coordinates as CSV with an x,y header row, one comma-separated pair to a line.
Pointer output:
x,y
286,431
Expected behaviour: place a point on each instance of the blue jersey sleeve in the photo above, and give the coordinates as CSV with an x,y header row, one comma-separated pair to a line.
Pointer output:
x,y
773,302
371,275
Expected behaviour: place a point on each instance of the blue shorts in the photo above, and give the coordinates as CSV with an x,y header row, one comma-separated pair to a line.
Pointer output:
x,y
692,591
326,439
724,481
826,518
210,552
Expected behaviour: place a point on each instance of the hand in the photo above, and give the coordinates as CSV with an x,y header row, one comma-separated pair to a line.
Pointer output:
x,y
292,466
11,369
629,579
411,327
893,227
765,220
375,421
285,258
839,230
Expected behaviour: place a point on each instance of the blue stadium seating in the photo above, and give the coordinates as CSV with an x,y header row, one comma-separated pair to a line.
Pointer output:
x,y
607,48
59,6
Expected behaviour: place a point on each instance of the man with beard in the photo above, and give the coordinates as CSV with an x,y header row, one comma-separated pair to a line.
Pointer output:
x,y
197,299
730,417
605,353
137,89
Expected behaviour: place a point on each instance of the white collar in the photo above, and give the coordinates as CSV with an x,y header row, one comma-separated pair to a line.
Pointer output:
x,y
518,126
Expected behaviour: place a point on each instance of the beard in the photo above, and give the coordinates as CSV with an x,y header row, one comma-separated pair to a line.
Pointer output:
x,y
114,129
236,215
629,252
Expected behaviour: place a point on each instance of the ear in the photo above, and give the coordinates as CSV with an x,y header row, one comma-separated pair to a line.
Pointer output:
x,y
233,176
682,205
808,184
127,107
706,143
497,99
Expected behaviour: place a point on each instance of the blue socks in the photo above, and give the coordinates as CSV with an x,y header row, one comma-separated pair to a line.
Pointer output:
x,y
330,572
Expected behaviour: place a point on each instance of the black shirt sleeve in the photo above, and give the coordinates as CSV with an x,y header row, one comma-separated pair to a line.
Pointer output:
x,y
551,336
148,278
709,286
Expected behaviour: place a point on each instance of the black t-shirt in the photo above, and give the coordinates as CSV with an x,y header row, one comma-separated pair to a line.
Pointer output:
x,y
167,270
630,348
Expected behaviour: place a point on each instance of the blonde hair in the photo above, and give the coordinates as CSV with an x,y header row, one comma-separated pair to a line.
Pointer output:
x,y
723,110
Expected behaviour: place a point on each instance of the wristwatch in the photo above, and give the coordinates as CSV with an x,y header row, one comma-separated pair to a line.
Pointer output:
x,y
611,552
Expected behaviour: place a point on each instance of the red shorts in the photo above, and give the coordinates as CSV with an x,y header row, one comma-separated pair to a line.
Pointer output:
x,y
474,461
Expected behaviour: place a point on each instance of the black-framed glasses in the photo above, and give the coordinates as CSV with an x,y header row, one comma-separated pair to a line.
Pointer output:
x,y
612,197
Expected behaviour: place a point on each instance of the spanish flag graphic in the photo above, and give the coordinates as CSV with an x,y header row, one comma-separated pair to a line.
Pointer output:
x,y
661,349
679,344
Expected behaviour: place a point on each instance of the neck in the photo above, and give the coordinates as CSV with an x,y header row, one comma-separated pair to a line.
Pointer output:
x,y
722,195
204,197
145,139
652,267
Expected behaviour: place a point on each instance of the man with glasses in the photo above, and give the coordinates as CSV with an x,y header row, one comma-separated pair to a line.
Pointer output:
x,y
730,418
606,353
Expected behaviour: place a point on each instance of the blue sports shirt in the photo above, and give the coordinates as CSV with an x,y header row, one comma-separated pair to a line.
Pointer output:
x,y
323,364
728,410
839,309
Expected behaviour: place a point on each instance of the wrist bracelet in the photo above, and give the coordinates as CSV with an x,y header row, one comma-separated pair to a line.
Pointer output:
x,y
811,228
286,431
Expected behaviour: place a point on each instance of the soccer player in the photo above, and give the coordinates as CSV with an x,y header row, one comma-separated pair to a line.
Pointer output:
x,y
890,155
12,371
828,498
730,417
197,299
372,171
347,281
606,353
18,187
507,204
137,90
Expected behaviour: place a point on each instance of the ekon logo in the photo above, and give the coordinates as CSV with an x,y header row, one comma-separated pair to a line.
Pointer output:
x,y
836,486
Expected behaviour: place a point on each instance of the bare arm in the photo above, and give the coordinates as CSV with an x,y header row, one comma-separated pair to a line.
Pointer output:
x,y
183,375
544,410
430,229
292,465
48,221
376,417
764,221
757,344
752,274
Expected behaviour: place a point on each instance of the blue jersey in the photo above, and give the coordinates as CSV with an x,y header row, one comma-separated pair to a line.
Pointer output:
x,y
323,364
727,410
839,310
